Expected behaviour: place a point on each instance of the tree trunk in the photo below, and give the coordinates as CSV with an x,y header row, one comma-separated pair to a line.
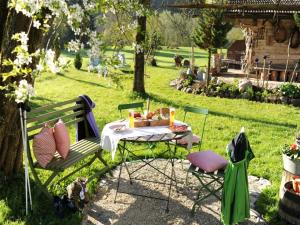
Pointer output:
x,y
208,68
10,132
139,67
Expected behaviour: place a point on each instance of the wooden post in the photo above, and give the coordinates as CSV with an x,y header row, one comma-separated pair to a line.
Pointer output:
x,y
287,60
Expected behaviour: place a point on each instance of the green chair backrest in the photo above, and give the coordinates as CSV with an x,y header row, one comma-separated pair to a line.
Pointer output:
x,y
136,105
201,111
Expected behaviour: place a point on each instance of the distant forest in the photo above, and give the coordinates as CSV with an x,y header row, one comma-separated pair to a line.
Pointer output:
x,y
170,27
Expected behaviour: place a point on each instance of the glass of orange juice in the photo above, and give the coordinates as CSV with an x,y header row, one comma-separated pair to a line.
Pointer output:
x,y
172,116
131,118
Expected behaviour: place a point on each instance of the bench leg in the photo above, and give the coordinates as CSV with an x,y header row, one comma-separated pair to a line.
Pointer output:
x,y
99,156
43,188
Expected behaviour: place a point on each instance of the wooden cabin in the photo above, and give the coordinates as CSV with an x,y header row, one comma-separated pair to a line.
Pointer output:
x,y
269,30
271,37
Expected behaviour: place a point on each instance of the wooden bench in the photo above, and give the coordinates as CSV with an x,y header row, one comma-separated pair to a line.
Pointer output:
x,y
71,112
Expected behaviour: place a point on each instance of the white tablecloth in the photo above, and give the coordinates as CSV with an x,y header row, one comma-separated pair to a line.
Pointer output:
x,y
110,138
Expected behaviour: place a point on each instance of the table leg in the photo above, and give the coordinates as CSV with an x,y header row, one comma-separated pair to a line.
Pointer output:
x,y
118,184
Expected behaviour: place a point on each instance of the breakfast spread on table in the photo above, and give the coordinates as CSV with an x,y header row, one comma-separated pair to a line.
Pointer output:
x,y
160,117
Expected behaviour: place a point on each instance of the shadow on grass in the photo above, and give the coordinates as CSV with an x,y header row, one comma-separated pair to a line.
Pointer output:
x,y
171,55
159,99
84,81
12,193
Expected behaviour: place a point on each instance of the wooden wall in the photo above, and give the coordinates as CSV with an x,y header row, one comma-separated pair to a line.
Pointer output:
x,y
264,42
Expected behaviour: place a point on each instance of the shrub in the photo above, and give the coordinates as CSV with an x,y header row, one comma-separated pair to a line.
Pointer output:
x,y
188,81
250,92
289,90
78,61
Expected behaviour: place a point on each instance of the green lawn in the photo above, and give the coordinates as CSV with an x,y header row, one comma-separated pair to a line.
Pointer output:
x,y
268,127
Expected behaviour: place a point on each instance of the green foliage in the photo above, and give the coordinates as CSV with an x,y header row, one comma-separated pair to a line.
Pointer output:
x,y
175,29
297,19
250,93
78,61
293,150
188,80
290,90
153,43
265,94
211,30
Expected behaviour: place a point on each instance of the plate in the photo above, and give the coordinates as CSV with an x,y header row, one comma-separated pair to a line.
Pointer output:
x,y
179,128
118,127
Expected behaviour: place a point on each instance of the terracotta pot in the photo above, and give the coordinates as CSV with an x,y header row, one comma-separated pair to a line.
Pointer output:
x,y
281,76
296,184
274,75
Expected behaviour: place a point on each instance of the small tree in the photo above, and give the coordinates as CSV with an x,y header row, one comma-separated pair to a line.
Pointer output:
x,y
210,33
78,61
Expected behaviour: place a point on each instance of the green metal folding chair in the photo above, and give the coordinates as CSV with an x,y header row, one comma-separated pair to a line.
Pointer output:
x,y
135,105
210,184
197,140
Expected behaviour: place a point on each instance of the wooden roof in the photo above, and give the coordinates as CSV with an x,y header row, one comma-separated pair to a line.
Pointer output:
x,y
248,8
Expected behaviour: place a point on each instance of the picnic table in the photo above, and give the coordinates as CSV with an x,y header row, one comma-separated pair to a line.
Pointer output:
x,y
113,139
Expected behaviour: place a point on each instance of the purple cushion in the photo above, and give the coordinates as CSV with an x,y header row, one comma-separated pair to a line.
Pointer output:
x,y
207,160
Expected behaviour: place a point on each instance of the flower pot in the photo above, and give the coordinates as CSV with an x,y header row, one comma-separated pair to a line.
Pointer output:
x,y
291,165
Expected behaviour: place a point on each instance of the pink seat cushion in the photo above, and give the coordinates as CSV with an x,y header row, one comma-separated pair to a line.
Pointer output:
x,y
183,141
44,146
207,160
62,139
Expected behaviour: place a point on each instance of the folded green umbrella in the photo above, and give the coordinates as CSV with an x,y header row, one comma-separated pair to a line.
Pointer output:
x,y
235,206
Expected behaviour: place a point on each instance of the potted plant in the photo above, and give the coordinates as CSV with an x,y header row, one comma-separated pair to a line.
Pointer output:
x,y
291,158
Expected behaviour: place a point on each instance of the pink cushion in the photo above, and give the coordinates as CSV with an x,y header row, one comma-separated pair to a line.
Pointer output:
x,y
62,139
44,146
183,141
207,160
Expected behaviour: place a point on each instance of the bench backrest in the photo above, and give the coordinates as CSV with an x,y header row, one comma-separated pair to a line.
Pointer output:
x,y
68,111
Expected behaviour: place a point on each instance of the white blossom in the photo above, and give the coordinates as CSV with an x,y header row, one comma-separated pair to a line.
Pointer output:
x,y
22,59
27,7
138,48
39,67
36,24
23,92
74,45
49,58
62,61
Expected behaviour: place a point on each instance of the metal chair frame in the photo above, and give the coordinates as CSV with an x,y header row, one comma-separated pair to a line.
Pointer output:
x,y
135,105
201,111
214,180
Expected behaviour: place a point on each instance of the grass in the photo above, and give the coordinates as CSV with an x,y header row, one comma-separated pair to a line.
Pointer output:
x,y
268,126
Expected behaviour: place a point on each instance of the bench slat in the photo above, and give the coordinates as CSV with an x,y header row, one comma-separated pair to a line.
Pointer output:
x,y
79,113
59,112
51,106
78,151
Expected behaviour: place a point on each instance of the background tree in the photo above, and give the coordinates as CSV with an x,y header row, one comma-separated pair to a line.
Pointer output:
x,y
139,65
210,33
10,133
